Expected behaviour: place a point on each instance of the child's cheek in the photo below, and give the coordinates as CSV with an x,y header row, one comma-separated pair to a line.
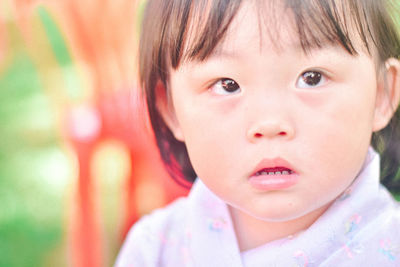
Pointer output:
x,y
313,100
224,106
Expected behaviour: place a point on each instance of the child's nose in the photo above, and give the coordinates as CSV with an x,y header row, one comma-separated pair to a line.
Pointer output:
x,y
270,129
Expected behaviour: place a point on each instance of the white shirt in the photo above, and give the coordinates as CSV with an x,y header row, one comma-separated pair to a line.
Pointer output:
x,y
361,228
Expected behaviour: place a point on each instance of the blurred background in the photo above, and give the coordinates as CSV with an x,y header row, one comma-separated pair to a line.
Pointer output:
x,y
78,164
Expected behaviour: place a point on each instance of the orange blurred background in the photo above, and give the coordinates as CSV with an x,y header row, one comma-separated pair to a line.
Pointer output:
x,y
78,162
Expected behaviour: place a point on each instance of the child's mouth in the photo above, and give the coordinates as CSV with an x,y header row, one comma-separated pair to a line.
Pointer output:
x,y
275,174
274,171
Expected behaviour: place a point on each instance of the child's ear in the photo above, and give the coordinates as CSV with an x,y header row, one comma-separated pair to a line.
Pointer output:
x,y
388,94
165,107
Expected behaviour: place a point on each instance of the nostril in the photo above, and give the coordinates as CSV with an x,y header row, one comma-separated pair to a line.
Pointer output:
x,y
269,129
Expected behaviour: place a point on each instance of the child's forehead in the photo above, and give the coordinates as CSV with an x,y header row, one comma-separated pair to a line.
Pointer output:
x,y
262,30
280,25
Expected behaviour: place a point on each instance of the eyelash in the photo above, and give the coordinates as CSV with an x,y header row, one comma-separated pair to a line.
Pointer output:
x,y
301,82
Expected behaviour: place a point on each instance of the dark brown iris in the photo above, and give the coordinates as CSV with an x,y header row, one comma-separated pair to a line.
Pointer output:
x,y
311,78
229,85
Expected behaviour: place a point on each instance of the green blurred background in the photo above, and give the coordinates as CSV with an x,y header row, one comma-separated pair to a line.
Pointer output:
x,y
34,169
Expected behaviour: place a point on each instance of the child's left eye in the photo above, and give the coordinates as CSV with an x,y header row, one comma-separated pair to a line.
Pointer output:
x,y
225,86
310,79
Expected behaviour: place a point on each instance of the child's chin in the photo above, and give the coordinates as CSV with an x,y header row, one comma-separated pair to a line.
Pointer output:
x,y
286,214
279,217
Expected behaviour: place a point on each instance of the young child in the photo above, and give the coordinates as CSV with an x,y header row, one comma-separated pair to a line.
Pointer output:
x,y
273,105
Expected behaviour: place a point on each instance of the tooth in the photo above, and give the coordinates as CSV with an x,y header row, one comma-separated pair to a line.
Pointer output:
x,y
264,173
271,173
278,173
285,172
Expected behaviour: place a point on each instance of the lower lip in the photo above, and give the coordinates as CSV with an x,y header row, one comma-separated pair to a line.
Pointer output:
x,y
273,182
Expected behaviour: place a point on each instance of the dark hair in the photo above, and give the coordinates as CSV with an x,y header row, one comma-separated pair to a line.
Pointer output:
x,y
165,44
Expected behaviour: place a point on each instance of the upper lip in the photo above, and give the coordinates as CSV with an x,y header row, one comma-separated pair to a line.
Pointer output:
x,y
272,163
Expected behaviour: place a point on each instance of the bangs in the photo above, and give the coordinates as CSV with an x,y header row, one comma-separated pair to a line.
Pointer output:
x,y
352,24
202,29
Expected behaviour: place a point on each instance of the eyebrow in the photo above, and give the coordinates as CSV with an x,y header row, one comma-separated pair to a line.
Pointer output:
x,y
221,53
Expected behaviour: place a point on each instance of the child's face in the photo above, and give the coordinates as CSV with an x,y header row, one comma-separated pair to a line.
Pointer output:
x,y
252,102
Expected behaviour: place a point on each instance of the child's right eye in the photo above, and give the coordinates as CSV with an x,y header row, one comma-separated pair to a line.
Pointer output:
x,y
225,86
